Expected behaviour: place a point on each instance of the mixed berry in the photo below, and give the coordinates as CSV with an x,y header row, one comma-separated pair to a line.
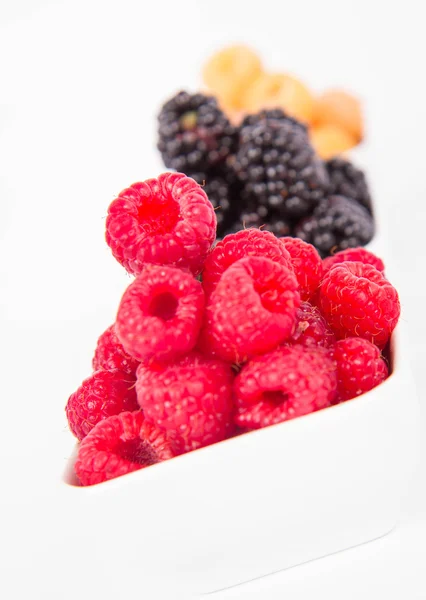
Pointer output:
x,y
214,339
278,166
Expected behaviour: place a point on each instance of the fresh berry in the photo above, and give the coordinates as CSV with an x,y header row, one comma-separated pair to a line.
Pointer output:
x,y
110,354
271,114
360,367
252,309
194,134
160,314
358,301
279,169
190,399
311,328
336,224
337,107
258,216
229,72
243,243
101,395
271,90
347,180
307,265
354,255
289,382
119,445
222,189
167,221
331,140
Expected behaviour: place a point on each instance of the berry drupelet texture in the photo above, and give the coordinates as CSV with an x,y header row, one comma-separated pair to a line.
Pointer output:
x,y
243,243
119,445
358,301
101,395
280,385
194,135
347,180
279,169
160,314
354,255
110,354
252,309
165,221
360,367
190,399
337,223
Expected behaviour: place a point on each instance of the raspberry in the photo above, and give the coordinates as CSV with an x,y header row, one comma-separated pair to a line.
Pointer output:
x,y
160,314
311,328
119,445
247,242
101,395
354,255
289,382
191,399
307,265
358,301
167,221
252,309
110,354
360,367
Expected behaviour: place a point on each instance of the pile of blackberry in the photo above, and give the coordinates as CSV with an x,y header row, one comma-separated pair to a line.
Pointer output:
x,y
266,174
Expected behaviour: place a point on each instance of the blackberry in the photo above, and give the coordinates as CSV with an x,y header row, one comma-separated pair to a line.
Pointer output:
x,y
258,218
347,180
193,133
222,189
279,169
271,114
336,224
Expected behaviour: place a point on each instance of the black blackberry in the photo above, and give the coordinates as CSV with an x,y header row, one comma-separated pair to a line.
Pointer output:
x,y
193,133
337,223
252,217
222,189
347,180
279,169
270,114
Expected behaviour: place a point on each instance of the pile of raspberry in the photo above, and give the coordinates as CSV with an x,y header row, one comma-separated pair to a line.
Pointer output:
x,y
265,172
212,340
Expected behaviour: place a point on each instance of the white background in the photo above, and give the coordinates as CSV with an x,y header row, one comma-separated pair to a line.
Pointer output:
x,y
80,85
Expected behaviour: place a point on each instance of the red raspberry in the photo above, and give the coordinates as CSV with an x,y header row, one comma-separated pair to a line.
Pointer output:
x,y
110,354
164,221
101,395
160,314
191,399
252,309
360,367
246,242
307,265
311,328
119,445
289,382
358,301
354,255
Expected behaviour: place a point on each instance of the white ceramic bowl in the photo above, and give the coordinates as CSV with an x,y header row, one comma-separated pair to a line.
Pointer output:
x,y
254,504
